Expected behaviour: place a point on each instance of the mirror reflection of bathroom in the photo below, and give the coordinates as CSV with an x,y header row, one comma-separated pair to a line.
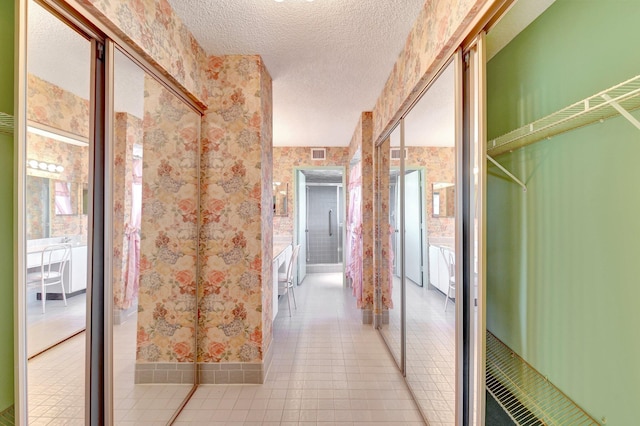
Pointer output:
x,y
443,194
280,195
56,224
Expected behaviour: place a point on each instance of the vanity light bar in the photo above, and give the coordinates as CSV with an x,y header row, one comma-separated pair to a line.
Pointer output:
x,y
45,167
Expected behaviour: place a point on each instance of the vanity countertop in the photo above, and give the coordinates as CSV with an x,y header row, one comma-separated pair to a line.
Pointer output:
x,y
279,247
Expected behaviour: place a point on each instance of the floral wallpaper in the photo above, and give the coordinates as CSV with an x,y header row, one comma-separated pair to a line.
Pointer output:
x,y
50,105
435,34
285,159
166,301
235,247
384,263
266,138
362,141
127,132
154,29
440,164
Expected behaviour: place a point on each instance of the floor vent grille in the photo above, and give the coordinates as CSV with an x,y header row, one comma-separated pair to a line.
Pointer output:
x,y
6,123
525,394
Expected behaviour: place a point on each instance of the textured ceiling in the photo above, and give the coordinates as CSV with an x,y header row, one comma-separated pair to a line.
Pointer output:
x,y
329,59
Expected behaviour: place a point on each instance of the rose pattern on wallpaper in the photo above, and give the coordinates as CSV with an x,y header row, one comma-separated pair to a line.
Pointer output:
x,y
51,105
235,248
265,335
157,33
285,159
438,27
384,265
168,246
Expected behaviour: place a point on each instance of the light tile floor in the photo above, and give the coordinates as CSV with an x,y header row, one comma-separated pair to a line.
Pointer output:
x,y
57,323
56,383
430,359
328,368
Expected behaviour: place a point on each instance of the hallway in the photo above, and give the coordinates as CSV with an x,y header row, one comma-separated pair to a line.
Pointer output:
x,y
327,368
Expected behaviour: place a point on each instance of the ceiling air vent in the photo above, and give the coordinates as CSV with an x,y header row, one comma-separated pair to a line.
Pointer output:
x,y
395,153
318,154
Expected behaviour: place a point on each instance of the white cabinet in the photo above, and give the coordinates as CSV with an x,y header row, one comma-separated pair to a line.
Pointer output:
x,y
78,269
439,268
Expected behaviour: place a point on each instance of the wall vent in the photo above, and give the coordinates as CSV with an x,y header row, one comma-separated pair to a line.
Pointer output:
x,y
525,395
6,123
395,153
318,154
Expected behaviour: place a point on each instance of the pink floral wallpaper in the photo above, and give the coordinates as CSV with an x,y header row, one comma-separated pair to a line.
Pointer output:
x,y
153,28
235,247
127,132
166,303
362,140
266,211
383,277
437,30
440,167
50,105
285,159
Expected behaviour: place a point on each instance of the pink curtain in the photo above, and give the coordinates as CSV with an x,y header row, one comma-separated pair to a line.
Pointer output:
x,y
390,256
132,232
353,267
62,198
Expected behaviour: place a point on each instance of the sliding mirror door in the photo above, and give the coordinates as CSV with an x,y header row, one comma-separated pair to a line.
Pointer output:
x,y
430,215
57,224
154,246
390,240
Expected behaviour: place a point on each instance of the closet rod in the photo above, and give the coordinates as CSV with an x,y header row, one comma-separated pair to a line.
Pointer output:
x,y
508,173
626,114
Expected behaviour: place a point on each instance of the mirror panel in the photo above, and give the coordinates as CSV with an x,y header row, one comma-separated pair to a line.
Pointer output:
x,y
430,229
280,194
155,193
56,228
391,248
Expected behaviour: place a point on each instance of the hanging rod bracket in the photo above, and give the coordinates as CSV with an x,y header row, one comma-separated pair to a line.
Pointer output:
x,y
508,173
626,114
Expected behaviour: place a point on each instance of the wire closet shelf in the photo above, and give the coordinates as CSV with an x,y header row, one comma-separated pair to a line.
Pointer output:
x,y
619,99
525,395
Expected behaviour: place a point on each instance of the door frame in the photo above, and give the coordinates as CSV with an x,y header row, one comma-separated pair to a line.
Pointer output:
x,y
342,201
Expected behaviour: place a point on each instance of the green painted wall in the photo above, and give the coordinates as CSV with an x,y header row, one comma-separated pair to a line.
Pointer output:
x,y
563,259
6,207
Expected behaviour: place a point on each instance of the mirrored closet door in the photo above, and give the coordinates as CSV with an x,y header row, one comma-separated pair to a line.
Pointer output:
x,y
57,231
154,230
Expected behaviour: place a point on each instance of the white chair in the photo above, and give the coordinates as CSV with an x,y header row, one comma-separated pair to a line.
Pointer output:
x,y
285,281
53,263
451,264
